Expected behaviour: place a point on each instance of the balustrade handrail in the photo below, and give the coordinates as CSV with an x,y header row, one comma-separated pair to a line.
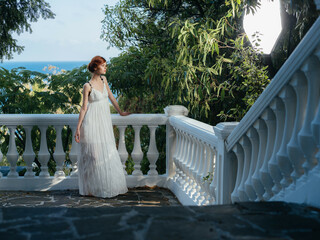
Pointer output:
x,y
66,119
297,58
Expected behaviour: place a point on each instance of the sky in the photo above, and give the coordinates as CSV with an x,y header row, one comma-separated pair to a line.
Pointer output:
x,y
267,21
74,34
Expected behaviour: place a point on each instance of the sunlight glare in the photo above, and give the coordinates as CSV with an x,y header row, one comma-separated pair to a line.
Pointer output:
x,y
266,21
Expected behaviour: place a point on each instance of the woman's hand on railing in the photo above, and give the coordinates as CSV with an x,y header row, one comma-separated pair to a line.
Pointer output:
x,y
77,136
125,113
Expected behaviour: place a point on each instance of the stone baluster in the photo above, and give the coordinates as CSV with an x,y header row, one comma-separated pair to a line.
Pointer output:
x,y
316,135
245,144
237,149
190,165
261,128
306,141
177,153
210,168
299,84
195,159
254,139
59,155
181,156
137,153
201,158
316,122
12,154
74,153
278,109
214,183
153,153
206,170
288,97
43,154
197,172
123,153
266,180
28,154
187,157
203,170
184,159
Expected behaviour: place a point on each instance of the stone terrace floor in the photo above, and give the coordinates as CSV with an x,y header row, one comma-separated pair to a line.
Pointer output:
x,y
148,213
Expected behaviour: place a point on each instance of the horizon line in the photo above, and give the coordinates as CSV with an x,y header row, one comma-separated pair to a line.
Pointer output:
x,y
46,61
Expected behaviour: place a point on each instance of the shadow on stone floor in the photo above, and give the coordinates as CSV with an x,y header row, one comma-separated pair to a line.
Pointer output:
x,y
141,196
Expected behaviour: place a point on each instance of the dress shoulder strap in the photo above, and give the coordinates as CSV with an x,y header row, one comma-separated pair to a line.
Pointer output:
x,y
90,86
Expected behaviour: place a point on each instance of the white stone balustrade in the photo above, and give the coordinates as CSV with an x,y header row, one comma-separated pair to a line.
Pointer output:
x,y
59,181
194,160
277,142
197,148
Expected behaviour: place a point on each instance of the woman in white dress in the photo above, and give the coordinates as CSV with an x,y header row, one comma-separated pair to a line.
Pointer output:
x,y
100,169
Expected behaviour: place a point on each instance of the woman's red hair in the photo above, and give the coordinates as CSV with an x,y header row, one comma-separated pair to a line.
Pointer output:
x,y
95,62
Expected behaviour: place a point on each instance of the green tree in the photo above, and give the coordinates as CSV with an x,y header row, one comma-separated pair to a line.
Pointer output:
x,y
195,53
16,16
183,48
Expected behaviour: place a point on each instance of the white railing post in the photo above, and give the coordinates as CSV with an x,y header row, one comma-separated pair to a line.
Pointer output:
x,y
153,153
225,165
59,155
253,137
12,154
316,122
74,153
177,153
299,84
245,144
137,153
279,112
123,153
261,128
209,198
28,154
237,149
285,165
43,154
306,140
266,179
316,134
172,110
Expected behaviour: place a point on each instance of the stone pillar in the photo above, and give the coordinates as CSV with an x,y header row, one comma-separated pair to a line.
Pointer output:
x,y
172,110
225,164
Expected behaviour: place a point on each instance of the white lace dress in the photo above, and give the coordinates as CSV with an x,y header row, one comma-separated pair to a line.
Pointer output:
x,y
100,168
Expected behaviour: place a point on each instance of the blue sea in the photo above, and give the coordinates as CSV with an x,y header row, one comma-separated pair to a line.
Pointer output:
x,y
43,66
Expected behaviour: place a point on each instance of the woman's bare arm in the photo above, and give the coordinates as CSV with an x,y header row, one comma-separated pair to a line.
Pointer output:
x,y
113,99
83,110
